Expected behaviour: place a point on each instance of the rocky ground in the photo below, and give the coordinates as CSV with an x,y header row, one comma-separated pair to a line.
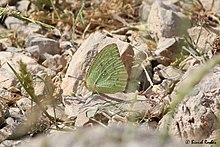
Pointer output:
x,y
170,51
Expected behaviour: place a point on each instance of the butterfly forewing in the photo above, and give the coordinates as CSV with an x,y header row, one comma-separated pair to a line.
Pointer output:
x,y
107,73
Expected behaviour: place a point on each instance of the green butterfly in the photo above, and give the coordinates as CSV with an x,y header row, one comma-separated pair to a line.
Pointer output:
x,y
107,73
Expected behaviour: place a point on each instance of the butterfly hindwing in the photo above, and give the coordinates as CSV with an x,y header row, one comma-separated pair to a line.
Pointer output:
x,y
107,73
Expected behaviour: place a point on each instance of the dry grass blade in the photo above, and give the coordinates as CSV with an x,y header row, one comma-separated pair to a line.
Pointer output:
x,y
26,81
7,12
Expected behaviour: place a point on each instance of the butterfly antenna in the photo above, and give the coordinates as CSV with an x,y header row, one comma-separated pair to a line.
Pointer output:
x,y
81,84
77,78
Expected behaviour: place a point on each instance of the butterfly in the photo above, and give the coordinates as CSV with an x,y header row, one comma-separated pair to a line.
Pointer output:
x,y
107,73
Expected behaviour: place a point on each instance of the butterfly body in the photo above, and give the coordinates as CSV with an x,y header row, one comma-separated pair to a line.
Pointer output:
x,y
107,73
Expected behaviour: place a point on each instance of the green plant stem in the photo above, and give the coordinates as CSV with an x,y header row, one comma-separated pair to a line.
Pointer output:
x,y
187,86
54,8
